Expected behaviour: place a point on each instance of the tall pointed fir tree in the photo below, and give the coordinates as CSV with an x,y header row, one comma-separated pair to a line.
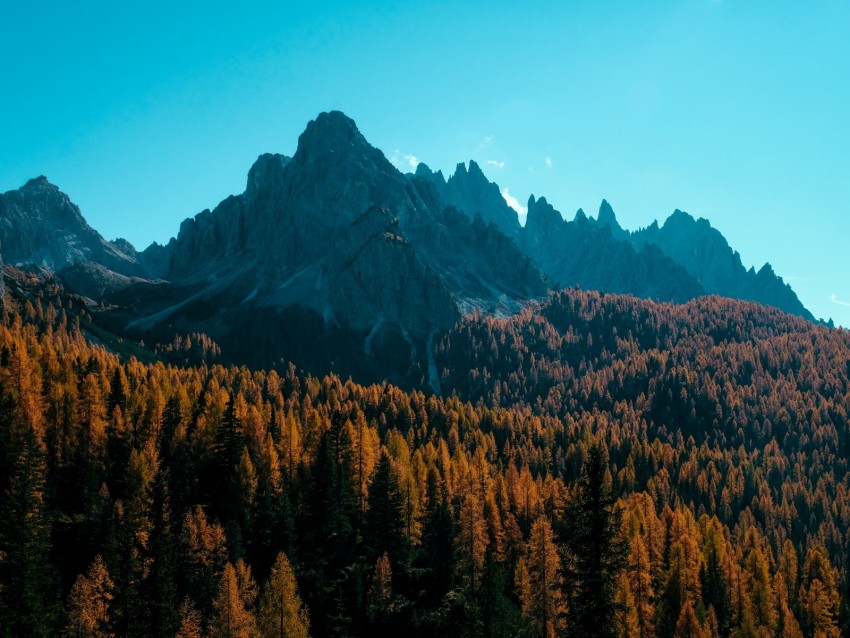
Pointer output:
x,y
282,614
231,618
540,583
591,532
190,621
88,604
436,551
25,571
383,528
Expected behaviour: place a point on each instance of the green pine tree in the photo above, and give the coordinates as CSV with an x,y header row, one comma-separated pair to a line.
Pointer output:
x,y
591,532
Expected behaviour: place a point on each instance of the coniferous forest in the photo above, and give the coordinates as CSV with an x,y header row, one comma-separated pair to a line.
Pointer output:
x,y
597,465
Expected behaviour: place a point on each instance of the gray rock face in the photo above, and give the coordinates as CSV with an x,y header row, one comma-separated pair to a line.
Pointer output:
x,y
470,192
40,225
707,256
333,258
340,233
607,219
542,221
590,254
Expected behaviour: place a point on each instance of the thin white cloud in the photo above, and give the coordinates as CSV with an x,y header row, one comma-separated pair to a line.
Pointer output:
x,y
499,165
485,142
403,161
834,299
513,202
548,161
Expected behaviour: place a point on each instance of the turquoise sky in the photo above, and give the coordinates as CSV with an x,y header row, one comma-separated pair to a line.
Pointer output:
x,y
737,111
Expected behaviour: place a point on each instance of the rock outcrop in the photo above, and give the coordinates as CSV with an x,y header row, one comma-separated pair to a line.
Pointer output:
x,y
335,260
470,192
40,225
704,252
589,254
335,236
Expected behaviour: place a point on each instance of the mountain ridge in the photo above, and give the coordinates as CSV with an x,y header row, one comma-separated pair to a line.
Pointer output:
x,y
335,242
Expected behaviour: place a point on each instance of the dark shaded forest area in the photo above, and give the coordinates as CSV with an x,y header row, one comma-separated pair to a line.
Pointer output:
x,y
597,465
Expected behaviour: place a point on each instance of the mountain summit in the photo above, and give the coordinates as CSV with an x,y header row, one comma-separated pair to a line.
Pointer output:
x,y
333,259
337,244
40,225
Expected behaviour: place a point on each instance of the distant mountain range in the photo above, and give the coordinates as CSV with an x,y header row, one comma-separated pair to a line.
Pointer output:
x,y
333,259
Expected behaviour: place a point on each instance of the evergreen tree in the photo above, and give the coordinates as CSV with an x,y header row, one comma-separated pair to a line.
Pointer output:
x,y
713,580
130,557
437,549
819,594
641,586
164,553
290,447
25,572
540,590
381,592
231,618
500,616
688,625
383,527
590,530
471,543
190,621
366,450
332,498
227,449
759,585
626,618
88,604
282,614
203,557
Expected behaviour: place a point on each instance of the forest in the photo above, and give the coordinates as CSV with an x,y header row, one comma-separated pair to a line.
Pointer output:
x,y
598,465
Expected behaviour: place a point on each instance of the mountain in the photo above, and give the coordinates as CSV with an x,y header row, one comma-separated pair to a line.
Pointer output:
x,y
332,245
470,192
40,225
707,256
335,260
708,441
679,261
598,256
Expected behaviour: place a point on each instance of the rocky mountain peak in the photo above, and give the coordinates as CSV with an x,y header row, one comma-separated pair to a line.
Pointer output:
x,y
39,182
423,170
682,219
331,132
766,271
41,197
266,172
542,217
707,256
336,174
607,219
39,224
472,193
124,246
475,171
606,215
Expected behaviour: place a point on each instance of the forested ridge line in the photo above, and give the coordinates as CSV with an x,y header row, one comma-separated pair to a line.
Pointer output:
x,y
598,463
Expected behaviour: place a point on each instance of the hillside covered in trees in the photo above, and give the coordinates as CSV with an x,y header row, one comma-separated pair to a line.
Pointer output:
x,y
596,465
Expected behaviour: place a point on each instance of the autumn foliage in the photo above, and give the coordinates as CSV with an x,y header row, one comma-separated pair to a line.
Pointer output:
x,y
595,462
